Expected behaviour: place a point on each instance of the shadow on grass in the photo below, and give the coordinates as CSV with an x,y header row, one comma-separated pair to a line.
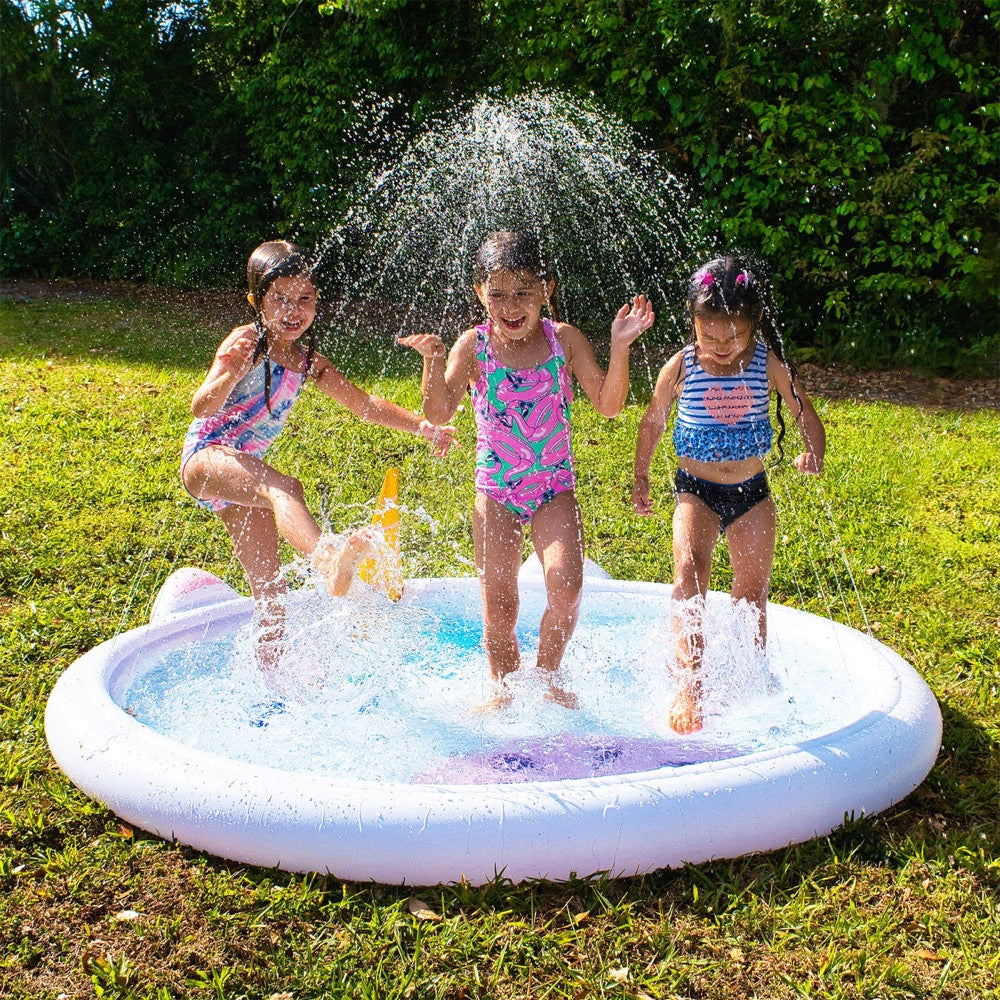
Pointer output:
x,y
145,325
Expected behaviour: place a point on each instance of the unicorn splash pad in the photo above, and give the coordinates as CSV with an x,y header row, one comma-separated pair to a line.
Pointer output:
x,y
372,763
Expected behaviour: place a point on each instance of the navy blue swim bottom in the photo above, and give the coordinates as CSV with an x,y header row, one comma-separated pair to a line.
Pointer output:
x,y
727,500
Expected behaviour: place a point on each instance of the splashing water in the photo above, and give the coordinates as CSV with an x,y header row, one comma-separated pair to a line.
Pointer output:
x,y
391,692
613,222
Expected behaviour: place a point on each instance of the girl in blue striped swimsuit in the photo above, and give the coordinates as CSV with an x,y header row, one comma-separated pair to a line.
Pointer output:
x,y
722,383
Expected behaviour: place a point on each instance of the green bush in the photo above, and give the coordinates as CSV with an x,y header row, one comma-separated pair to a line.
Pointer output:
x,y
122,156
852,144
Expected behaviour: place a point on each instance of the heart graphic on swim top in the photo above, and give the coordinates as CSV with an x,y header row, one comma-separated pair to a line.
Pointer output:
x,y
728,406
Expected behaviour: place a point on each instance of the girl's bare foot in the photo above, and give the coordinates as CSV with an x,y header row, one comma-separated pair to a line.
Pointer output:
x,y
685,713
502,697
561,696
338,567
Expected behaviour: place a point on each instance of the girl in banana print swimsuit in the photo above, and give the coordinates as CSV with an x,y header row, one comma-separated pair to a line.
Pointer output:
x,y
518,367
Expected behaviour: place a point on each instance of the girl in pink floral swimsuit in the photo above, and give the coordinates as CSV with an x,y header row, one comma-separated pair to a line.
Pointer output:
x,y
518,367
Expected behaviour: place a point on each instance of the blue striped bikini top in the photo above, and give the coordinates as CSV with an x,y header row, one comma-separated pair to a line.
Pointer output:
x,y
724,418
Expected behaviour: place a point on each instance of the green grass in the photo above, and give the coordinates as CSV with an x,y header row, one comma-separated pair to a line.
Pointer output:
x,y
901,534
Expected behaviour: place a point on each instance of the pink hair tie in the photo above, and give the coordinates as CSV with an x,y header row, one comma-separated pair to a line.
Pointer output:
x,y
741,278
708,280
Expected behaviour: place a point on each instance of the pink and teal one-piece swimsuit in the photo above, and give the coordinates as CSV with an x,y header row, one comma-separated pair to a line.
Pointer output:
x,y
524,456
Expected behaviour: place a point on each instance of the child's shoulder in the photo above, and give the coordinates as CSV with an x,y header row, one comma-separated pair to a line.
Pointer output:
x,y
675,363
465,352
569,336
773,363
467,344
781,374
565,329
671,376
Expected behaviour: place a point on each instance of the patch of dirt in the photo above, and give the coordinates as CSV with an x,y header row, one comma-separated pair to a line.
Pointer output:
x,y
906,388
222,306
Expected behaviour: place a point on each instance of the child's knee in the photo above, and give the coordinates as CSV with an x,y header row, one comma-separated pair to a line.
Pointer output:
x,y
689,570
563,592
284,489
500,611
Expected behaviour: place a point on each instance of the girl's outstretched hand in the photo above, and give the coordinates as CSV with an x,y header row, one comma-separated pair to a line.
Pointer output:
x,y
442,439
632,320
809,462
430,345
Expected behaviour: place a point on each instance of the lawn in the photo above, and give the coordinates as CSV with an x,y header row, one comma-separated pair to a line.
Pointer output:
x,y
901,535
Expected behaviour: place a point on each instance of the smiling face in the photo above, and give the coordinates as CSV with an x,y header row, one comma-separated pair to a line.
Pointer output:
x,y
722,339
289,307
514,301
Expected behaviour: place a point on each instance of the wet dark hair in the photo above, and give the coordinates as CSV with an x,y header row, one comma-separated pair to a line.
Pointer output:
x,y
515,252
270,261
737,286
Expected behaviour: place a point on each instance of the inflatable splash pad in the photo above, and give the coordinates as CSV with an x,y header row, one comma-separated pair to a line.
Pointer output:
x,y
383,772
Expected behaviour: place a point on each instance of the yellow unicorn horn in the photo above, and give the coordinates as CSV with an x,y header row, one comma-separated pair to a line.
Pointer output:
x,y
384,571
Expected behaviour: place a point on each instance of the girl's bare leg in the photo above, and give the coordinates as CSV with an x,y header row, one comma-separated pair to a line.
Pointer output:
x,y
498,538
255,542
223,473
557,534
695,532
751,553
240,479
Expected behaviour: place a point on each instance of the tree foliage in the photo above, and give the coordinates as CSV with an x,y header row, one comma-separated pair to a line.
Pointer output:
x,y
852,144
124,155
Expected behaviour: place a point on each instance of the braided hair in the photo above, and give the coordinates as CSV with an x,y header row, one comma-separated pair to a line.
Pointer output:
x,y
734,286
517,252
270,261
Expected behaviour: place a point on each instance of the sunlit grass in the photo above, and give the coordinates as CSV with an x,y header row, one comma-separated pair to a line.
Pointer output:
x,y
900,535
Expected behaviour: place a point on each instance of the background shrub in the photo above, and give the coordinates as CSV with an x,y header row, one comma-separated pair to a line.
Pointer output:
x,y
851,143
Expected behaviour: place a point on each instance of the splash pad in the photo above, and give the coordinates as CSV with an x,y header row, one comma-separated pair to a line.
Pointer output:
x,y
568,801
380,771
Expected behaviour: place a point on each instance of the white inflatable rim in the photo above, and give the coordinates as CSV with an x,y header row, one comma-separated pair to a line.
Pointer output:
x,y
424,834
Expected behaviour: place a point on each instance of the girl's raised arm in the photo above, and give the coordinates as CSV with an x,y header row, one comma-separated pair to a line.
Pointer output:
x,y
376,410
607,391
233,360
443,385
